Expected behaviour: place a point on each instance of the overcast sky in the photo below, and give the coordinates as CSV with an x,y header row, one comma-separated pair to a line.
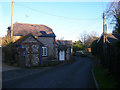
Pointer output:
x,y
67,19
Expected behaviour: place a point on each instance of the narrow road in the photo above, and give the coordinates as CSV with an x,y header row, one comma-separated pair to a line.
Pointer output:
x,y
74,75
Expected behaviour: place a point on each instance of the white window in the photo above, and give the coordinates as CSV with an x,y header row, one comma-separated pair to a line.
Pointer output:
x,y
44,51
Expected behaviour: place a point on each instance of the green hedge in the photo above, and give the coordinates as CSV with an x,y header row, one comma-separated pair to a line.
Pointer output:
x,y
9,57
111,60
94,47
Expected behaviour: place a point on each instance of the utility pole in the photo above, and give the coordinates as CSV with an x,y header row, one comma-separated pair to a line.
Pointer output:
x,y
104,28
12,22
103,23
104,34
104,39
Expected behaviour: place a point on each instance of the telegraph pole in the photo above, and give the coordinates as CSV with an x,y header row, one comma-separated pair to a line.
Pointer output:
x,y
12,22
104,34
104,29
104,39
103,22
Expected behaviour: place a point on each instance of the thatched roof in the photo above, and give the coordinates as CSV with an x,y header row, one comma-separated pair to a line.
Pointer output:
x,y
21,29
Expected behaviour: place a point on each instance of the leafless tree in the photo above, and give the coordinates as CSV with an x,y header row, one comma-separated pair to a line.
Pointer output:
x,y
61,38
6,40
87,39
83,37
113,14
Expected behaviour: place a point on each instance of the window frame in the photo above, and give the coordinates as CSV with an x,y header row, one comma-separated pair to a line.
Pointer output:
x,y
43,51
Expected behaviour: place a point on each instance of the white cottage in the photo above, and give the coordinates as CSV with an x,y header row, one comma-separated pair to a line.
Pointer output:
x,y
64,49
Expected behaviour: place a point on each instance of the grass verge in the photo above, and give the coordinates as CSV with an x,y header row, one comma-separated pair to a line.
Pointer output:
x,y
103,79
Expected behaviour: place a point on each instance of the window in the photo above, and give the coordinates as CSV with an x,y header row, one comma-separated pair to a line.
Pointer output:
x,y
44,51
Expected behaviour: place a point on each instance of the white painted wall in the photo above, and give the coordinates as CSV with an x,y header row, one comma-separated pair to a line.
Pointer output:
x,y
62,55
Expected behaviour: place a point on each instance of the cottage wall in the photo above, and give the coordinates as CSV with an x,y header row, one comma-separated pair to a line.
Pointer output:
x,y
68,53
47,41
56,54
50,43
32,51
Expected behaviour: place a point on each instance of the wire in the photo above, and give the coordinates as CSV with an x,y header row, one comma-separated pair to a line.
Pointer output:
x,y
61,16
57,15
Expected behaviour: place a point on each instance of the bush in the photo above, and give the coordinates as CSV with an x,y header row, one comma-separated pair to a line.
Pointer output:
x,y
94,47
9,55
103,78
117,43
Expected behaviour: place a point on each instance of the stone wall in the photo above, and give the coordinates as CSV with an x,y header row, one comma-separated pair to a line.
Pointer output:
x,y
68,54
50,43
47,41
56,54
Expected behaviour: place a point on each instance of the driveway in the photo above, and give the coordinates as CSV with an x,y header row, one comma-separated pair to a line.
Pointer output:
x,y
74,75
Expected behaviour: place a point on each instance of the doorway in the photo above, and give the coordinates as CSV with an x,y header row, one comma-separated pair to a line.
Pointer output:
x,y
62,55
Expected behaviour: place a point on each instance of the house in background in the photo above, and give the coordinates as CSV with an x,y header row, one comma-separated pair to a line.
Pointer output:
x,y
64,49
88,49
109,40
107,49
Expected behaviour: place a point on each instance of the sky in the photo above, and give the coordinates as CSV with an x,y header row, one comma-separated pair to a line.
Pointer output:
x,y
67,19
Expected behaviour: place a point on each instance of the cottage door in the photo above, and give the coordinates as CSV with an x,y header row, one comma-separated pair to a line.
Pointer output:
x,y
62,55
27,55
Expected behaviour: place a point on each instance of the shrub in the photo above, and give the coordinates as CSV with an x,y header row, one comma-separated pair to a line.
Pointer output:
x,y
9,55
94,47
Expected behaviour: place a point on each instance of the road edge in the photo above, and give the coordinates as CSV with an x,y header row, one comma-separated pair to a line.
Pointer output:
x,y
96,84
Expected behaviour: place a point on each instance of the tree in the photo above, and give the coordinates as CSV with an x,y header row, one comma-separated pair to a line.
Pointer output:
x,y
117,26
77,45
6,40
94,47
82,37
113,14
87,39
60,38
